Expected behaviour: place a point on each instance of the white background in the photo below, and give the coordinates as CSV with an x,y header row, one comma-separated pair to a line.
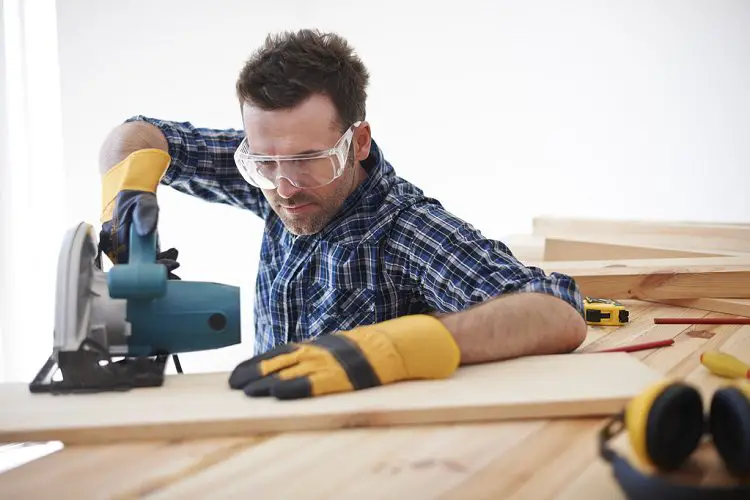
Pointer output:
x,y
502,110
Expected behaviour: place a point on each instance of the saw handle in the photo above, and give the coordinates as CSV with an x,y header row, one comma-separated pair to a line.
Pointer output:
x,y
142,248
141,277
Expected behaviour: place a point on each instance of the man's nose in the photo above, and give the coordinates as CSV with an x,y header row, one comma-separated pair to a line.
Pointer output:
x,y
286,189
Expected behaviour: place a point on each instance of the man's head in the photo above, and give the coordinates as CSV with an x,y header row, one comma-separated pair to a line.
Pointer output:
x,y
300,93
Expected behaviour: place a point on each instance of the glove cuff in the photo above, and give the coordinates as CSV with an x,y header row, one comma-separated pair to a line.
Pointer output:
x,y
423,345
142,170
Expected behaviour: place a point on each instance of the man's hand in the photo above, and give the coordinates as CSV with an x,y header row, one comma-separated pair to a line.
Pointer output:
x,y
129,198
406,348
131,207
169,259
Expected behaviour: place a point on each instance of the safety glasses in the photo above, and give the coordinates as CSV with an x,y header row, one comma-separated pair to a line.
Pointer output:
x,y
306,171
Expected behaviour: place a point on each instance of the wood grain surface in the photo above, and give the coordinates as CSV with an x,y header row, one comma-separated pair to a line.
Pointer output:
x,y
535,459
202,405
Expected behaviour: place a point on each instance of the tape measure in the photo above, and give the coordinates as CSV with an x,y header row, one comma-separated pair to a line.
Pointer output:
x,y
605,312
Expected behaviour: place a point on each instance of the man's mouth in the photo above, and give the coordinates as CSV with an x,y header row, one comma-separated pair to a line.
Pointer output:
x,y
298,208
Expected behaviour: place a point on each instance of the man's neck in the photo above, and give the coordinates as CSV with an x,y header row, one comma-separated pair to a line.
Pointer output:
x,y
360,176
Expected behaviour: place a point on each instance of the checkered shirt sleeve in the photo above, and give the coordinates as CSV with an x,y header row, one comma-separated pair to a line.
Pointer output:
x,y
455,266
203,165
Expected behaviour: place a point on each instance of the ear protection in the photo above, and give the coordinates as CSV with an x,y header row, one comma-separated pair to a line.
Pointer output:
x,y
665,425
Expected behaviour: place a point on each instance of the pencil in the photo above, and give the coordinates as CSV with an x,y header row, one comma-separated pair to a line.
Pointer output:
x,y
740,320
639,347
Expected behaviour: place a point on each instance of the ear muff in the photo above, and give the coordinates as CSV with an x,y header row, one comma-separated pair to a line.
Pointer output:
x,y
730,428
665,423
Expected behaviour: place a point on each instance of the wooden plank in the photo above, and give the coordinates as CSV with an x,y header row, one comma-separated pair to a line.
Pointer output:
x,y
739,307
129,469
661,280
700,235
361,463
677,262
424,460
665,284
572,248
546,224
202,406
559,450
596,481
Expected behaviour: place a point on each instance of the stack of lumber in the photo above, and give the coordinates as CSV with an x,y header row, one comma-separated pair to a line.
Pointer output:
x,y
692,264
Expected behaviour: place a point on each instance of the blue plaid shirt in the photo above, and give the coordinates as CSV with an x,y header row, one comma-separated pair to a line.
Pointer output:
x,y
391,251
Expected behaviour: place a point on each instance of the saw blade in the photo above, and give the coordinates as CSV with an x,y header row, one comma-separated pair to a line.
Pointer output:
x,y
75,268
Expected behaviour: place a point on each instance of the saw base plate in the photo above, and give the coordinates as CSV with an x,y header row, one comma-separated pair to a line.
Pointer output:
x,y
91,369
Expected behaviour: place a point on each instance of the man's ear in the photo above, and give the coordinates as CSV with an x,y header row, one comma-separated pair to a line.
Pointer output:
x,y
362,141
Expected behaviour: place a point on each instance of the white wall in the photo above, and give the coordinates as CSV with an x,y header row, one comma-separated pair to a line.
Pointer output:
x,y
4,203
502,110
31,182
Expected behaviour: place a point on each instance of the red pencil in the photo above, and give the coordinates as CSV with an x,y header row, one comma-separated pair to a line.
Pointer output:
x,y
740,320
639,347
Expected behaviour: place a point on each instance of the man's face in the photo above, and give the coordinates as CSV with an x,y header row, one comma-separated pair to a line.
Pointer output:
x,y
311,126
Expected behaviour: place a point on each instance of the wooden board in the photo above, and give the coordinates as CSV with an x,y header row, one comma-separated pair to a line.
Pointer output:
x,y
661,279
712,237
202,405
739,307
658,263
586,248
665,284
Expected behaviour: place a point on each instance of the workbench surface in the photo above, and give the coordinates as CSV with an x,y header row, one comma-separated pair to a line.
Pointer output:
x,y
528,459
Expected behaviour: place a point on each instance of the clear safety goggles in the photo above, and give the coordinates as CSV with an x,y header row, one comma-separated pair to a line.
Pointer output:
x,y
309,170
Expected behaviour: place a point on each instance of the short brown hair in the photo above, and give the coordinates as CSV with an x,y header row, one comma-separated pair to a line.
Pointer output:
x,y
291,66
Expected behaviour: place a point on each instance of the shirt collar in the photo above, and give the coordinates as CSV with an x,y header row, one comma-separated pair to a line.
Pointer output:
x,y
372,190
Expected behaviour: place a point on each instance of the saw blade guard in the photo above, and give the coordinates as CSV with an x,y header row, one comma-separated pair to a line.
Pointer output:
x,y
83,308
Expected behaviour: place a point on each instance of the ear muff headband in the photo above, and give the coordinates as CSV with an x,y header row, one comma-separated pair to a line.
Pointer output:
x,y
639,486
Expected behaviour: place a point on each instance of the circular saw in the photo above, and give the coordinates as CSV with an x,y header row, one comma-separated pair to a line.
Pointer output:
x,y
114,330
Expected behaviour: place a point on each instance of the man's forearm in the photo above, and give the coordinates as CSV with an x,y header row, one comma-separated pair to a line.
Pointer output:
x,y
128,138
515,325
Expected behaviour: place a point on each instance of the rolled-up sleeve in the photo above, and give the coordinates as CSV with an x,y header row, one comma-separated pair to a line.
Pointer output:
x,y
203,165
455,266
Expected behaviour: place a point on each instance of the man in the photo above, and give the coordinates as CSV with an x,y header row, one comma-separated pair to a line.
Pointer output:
x,y
363,280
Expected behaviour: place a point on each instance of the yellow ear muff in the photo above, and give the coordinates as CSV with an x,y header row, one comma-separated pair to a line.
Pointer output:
x,y
636,418
730,426
665,424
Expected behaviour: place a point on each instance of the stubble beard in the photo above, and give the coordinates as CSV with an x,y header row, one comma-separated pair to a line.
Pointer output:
x,y
326,209
311,224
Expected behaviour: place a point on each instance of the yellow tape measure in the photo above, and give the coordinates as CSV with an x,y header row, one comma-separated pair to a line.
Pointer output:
x,y
605,312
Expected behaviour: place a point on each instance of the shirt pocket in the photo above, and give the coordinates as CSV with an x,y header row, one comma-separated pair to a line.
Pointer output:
x,y
330,308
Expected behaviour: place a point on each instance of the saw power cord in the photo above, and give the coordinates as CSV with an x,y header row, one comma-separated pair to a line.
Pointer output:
x,y
177,364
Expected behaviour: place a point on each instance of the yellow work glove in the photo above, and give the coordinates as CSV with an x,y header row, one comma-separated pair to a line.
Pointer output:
x,y
129,197
406,348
